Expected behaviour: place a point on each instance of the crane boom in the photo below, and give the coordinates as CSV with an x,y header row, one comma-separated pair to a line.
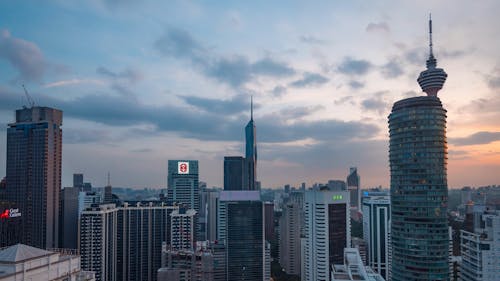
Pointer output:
x,y
31,103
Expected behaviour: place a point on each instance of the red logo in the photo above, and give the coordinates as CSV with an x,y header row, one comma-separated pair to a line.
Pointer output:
x,y
183,168
5,214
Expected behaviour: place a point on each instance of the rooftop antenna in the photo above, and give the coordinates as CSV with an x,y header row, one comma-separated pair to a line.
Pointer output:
x,y
430,34
31,103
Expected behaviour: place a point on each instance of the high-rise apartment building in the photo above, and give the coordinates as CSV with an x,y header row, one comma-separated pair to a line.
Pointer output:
x,y
251,151
419,189
141,231
182,230
34,147
327,233
183,183
98,243
376,229
480,249
354,187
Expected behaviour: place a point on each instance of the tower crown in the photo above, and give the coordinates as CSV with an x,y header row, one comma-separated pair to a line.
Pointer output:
x,y
432,79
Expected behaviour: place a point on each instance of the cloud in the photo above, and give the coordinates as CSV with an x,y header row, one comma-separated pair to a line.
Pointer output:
x,y
352,66
344,100
23,55
377,27
476,139
299,112
237,104
356,84
376,103
309,80
493,80
126,111
309,39
234,70
279,91
74,81
392,69
131,75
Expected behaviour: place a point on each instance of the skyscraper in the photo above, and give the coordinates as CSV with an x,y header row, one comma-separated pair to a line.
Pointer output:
x,y
419,190
376,217
327,233
182,229
68,218
251,150
34,146
78,181
353,186
236,173
183,183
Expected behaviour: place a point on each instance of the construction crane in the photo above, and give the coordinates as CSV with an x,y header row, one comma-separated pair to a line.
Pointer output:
x,y
31,103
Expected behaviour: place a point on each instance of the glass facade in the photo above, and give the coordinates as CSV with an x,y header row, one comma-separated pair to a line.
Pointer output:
x,y
419,190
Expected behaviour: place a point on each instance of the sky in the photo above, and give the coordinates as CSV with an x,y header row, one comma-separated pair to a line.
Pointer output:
x,y
141,82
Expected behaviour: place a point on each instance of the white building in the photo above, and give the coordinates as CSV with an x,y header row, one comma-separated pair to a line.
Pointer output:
x,y
22,262
182,230
98,241
327,233
481,250
376,229
353,268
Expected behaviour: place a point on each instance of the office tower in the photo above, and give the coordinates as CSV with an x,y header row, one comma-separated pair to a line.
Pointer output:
x,y
480,249
236,173
290,227
141,230
34,146
419,191
241,229
376,218
251,150
78,181
183,183
86,200
354,187
68,233
352,268
212,202
327,232
218,251
182,230
98,241
108,192
22,262
269,221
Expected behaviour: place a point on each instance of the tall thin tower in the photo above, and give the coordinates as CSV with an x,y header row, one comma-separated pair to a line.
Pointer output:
x,y
251,150
419,188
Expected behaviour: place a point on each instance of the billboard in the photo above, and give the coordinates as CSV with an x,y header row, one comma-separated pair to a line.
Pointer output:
x,y
183,168
10,213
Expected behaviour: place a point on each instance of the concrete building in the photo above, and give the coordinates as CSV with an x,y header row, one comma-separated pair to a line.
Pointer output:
x,y
290,230
376,230
327,233
22,262
98,241
480,249
187,265
33,174
182,230
353,268
419,188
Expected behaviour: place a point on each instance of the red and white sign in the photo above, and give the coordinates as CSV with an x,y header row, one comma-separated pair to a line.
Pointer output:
x,y
10,213
183,168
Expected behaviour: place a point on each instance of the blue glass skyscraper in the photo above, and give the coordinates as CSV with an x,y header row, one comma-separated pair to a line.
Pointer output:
x,y
419,189
251,150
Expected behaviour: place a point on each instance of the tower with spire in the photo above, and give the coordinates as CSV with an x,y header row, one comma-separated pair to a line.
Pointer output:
x,y
419,187
432,79
251,149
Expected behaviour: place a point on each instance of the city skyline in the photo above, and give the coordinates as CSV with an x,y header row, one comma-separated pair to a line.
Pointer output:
x,y
176,82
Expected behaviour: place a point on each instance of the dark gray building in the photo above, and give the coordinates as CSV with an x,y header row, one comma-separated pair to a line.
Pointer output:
x,y
354,187
236,173
33,176
78,181
68,218
419,188
251,151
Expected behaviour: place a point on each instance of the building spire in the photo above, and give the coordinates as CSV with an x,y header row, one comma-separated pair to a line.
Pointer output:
x,y
430,35
251,107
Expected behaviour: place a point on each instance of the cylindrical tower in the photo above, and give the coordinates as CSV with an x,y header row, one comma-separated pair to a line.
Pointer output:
x,y
419,189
